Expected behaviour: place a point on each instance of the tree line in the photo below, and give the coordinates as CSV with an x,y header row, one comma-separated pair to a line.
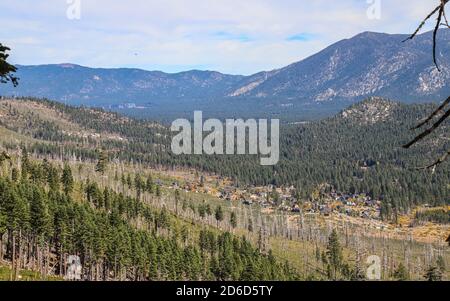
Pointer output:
x,y
117,237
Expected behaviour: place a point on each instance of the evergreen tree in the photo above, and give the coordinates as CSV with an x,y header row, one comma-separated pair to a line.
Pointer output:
x,y
334,254
25,163
218,215
139,185
4,157
208,209
129,181
7,70
275,197
401,273
102,162
39,214
149,184
233,220
433,274
14,174
53,179
67,179
202,210
177,200
358,273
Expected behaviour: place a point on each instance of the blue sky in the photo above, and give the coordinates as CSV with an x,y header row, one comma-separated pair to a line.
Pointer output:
x,y
230,36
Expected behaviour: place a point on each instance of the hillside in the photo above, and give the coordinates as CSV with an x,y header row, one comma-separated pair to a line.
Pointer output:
x,y
369,64
361,150
146,215
73,84
47,214
358,150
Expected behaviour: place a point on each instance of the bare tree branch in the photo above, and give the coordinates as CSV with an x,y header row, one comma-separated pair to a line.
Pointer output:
x,y
436,29
445,20
440,10
422,24
435,113
438,162
428,131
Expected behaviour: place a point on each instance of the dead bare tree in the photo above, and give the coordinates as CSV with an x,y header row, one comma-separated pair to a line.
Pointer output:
x,y
443,111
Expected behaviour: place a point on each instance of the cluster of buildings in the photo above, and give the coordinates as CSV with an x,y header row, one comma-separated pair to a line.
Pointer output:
x,y
355,205
326,203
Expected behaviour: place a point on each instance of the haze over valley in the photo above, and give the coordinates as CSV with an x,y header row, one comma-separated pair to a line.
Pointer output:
x,y
369,64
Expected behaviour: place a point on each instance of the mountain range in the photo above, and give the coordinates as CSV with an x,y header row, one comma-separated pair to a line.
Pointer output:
x,y
369,64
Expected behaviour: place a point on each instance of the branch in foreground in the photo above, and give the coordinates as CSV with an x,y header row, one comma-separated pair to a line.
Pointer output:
x,y
428,131
423,23
437,163
438,110
440,9
438,24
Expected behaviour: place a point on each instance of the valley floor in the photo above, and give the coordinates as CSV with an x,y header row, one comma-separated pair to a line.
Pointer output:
x,y
293,229
299,238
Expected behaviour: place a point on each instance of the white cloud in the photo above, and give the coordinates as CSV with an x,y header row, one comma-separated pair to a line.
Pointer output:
x,y
173,35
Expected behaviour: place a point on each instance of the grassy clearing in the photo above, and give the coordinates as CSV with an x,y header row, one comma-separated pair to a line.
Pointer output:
x,y
6,274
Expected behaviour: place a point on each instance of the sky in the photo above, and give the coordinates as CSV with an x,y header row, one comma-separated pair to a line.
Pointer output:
x,y
230,36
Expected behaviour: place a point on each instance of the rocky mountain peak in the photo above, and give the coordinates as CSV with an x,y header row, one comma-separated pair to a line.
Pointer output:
x,y
370,111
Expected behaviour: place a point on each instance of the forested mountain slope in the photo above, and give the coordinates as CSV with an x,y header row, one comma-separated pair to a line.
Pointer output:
x,y
46,216
358,150
365,65
59,197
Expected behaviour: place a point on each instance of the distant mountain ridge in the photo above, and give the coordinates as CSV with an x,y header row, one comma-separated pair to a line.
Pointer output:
x,y
365,65
76,84
369,64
